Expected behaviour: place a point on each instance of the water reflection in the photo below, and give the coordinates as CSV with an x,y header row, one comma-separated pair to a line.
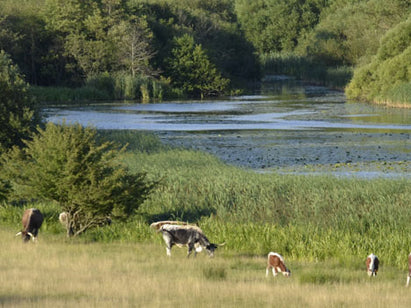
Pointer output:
x,y
286,126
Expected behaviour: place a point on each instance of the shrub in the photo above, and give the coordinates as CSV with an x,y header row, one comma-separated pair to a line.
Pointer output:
x,y
66,164
388,71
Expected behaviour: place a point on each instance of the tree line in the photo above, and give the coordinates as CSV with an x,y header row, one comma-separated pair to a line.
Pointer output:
x,y
197,48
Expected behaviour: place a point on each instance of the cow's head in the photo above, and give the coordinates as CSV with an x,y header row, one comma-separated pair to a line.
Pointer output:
x,y
211,248
287,273
26,236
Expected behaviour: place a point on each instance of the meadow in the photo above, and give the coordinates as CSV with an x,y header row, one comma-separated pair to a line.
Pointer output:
x,y
55,272
323,226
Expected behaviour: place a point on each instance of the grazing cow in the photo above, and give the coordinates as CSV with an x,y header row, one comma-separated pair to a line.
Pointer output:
x,y
32,220
372,263
276,262
63,218
409,269
180,234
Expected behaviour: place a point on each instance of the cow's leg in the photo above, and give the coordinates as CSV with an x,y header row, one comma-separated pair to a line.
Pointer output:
x,y
190,249
274,271
267,270
408,279
168,241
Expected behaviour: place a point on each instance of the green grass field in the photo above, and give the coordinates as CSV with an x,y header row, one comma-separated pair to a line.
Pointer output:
x,y
323,226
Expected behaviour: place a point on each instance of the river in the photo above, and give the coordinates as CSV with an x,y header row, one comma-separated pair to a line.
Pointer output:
x,y
286,126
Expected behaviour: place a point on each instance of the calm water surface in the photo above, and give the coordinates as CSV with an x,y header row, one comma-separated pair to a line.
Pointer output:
x,y
287,126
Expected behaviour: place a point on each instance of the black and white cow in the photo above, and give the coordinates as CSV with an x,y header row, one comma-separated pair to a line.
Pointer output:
x,y
372,264
183,234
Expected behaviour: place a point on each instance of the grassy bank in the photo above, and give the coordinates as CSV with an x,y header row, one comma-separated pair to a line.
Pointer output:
x,y
324,227
397,96
305,69
306,218
55,272
107,87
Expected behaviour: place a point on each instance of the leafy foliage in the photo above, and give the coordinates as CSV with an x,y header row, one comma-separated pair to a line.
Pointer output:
x,y
17,114
349,31
389,69
65,164
277,25
192,71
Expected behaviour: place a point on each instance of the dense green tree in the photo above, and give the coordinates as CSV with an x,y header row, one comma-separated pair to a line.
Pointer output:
x,y
350,30
276,25
18,117
389,69
24,38
66,164
191,70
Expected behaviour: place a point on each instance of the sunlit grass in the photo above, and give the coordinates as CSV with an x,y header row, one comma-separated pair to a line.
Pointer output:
x,y
323,226
55,272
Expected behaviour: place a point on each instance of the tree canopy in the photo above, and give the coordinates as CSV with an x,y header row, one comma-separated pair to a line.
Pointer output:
x,y
388,71
18,117
67,165
192,71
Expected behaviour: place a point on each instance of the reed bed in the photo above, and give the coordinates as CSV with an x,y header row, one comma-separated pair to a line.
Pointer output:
x,y
306,69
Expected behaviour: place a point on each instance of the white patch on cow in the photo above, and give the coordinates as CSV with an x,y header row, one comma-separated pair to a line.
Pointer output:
x,y
279,269
198,248
170,227
371,265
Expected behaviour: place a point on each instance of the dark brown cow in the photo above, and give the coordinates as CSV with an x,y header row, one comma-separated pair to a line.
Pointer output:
x,y
372,264
276,262
409,269
32,221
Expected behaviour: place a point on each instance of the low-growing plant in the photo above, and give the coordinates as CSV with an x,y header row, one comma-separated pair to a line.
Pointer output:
x,y
214,273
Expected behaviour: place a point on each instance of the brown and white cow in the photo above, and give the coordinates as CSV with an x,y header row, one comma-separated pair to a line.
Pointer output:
x,y
372,264
31,221
409,269
276,262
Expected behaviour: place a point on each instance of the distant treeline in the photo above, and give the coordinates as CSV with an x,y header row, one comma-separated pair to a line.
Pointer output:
x,y
162,48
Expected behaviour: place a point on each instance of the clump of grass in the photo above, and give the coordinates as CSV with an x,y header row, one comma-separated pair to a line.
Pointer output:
x,y
137,141
320,278
214,273
398,95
